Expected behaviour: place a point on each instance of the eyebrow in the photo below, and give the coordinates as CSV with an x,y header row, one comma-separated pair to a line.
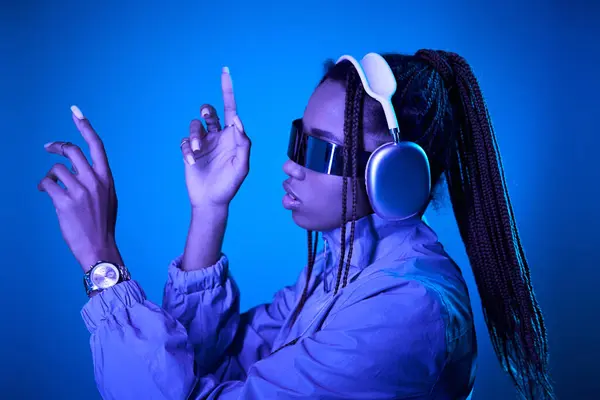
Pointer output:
x,y
325,135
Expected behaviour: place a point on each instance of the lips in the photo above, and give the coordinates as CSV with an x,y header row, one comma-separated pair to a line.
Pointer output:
x,y
288,189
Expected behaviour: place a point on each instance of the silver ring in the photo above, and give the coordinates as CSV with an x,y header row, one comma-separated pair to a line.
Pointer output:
x,y
184,141
228,126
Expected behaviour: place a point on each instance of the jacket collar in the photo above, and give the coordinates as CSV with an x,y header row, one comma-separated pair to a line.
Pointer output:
x,y
374,238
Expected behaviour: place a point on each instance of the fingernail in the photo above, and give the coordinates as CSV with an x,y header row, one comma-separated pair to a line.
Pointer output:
x,y
238,123
205,112
195,144
47,145
77,112
225,70
190,159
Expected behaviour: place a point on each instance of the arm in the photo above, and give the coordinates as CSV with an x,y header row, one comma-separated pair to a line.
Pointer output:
x,y
199,293
205,237
398,352
206,302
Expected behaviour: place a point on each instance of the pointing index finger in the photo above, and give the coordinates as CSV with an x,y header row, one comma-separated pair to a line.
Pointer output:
x,y
228,97
97,152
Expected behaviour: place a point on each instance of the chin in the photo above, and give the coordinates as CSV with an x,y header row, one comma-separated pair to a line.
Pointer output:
x,y
313,224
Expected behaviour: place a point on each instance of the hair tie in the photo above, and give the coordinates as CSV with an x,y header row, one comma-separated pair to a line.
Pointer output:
x,y
441,62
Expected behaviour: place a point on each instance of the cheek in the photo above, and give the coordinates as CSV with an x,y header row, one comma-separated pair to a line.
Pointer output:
x,y
326,190
322,203
322,198
325,194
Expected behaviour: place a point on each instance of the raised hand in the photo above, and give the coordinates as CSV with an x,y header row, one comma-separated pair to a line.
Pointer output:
x,y
87,206
216,159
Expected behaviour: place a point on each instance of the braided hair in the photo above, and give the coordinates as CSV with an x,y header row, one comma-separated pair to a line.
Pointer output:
x,y
439,105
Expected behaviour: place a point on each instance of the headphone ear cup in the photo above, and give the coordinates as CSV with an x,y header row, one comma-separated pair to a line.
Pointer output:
x,y
398,180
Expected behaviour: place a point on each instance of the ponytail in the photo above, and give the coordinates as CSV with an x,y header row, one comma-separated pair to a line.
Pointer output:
x,y
486,222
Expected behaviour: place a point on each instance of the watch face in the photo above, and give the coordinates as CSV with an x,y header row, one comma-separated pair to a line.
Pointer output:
x,y
104,275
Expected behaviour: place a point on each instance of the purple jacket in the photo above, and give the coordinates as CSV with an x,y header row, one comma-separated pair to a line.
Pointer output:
x,y
401,329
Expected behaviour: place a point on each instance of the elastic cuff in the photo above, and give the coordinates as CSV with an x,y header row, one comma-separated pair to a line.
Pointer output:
x,y
187,282
103,305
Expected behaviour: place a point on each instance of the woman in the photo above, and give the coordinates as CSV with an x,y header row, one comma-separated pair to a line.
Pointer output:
x,y
381,313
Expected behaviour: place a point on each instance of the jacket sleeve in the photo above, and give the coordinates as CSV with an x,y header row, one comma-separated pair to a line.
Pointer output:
x,y
398,352
207,304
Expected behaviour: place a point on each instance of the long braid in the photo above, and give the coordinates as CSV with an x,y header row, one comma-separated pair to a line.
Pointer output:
x,y
487,225
350,130
519,252
351,88
521,293
356,116
312,251
312,255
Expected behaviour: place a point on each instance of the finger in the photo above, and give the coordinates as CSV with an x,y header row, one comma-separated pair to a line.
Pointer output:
x,y
197,134
208,112
72,152
56,193
97,152
228,97
186,151
241,138
60,172
244,145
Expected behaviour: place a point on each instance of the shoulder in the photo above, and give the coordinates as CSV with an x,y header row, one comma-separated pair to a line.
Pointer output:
x,y
397,295
411,315
425,287
392,323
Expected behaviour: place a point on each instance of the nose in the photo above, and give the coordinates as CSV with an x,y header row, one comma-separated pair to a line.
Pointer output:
x,y
294,170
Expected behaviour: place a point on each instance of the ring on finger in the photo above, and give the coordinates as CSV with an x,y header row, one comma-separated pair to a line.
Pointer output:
x,y
184,141
228,126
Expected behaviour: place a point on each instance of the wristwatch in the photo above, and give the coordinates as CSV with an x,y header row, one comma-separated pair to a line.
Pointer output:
x,y
104,275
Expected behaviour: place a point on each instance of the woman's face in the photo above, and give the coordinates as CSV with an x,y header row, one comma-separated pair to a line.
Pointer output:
x,y
318,197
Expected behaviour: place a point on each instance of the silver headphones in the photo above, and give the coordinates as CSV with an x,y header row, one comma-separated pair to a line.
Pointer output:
x,y
397,176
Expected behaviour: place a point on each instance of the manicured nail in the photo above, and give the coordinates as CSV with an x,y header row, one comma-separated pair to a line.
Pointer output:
x,y
190,159
225,70
77,112
48,145
195,144
205,112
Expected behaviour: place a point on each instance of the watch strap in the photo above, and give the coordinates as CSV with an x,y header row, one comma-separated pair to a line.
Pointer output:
x,y
90,286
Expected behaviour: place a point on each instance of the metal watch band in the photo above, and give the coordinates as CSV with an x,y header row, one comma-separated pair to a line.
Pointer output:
x,y
90,286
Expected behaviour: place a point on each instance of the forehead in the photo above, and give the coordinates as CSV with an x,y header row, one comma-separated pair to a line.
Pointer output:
x,y
324,112
324,117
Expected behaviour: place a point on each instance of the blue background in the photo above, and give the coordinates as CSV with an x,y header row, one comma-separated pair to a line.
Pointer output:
x,y
140,70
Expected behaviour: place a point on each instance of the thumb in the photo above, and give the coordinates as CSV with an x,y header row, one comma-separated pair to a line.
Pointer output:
x,y
241,138
244,144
